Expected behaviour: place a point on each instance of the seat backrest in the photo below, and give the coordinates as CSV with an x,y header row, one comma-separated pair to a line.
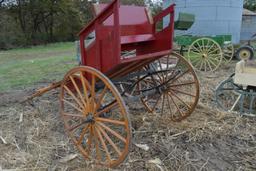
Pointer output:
x,y
132,19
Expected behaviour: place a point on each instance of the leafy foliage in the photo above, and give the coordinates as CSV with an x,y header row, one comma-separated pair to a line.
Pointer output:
x,y
34,22
250,4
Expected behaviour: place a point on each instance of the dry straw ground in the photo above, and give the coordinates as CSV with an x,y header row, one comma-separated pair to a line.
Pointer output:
x,y
32,137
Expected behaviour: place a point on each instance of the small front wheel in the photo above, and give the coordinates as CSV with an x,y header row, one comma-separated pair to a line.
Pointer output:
x,y
245,53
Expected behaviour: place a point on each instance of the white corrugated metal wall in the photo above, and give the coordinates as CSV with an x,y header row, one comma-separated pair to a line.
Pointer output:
x,y
213,17
248,27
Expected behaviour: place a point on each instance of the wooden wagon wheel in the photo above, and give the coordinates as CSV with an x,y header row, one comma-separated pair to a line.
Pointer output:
x,y
170,89
205,54
228,52
95,116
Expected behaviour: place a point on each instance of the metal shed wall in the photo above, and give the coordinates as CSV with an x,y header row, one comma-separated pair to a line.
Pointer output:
x,y
213,17
248,27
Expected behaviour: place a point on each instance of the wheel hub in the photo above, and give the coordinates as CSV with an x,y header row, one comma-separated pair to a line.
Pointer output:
x,y
89,118
90,107
204,56
163,88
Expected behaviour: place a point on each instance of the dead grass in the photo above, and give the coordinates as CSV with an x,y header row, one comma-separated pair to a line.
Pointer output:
x,y
33,138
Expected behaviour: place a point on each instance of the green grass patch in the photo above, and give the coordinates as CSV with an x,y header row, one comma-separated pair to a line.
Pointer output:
x,y
20,68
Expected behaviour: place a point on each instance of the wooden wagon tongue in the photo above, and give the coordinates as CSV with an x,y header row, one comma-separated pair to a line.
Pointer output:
x,y
41,91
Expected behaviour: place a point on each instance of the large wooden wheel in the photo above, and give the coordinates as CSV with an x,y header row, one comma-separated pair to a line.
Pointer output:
x,y
205,54
170,89
95,116
228,52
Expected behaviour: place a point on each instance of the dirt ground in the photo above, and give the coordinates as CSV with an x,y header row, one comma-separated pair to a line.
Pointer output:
x,y
32,136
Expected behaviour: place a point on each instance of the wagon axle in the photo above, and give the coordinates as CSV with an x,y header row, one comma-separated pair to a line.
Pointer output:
x,y
89,118
204,56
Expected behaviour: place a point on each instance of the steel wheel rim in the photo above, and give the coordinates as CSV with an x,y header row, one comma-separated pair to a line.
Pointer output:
x,y
106,139
173,103
224,94
205,54
228,52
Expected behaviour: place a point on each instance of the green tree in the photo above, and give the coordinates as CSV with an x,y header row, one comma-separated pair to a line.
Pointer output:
x,y
250,4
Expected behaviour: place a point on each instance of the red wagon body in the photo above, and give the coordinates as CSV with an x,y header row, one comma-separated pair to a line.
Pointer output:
x,y
119,30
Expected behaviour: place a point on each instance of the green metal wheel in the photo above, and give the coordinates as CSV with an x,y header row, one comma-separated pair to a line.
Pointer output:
x,y
205,54
228,52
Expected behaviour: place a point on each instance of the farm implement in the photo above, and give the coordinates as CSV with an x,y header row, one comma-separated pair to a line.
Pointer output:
x,y
205,53
246,51
238,92
123,56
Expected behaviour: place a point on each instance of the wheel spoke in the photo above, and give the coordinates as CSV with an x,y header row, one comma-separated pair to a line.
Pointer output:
x,y
107,108
93,91
163,104
198,63
155,104
112,131
196,49
161,69
201,65
197,59
212,52
73,96
160,79
209,65
98,153
82,134
215,65
73,115
175,105
84,87
100,119
89,142
101,97
199,46
212,46
203,47
215,56
109,140
183,84
71,104
168,100
181,75
78,91
183,92
205,67
188,106
75,127
103,143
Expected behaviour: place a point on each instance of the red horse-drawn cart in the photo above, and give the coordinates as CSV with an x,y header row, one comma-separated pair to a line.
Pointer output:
x,y
123,56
